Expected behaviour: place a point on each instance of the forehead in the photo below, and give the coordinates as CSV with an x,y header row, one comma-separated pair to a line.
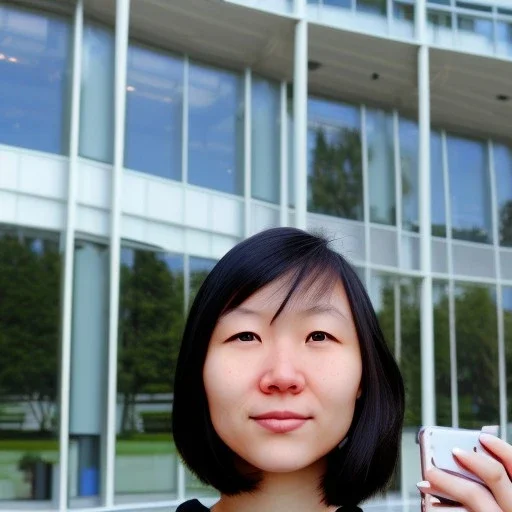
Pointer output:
x,y
323,289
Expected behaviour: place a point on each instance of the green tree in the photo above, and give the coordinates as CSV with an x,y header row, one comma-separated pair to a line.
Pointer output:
x,y
151,324
336,183
30,275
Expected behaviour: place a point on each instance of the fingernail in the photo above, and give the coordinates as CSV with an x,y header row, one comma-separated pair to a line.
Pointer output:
x,y
487,437
458,452
434,500
423,485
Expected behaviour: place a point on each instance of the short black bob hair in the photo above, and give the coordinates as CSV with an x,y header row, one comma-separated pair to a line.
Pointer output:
x,y
364,465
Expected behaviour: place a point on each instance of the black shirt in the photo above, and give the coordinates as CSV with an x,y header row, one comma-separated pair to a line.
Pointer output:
x,y
196,506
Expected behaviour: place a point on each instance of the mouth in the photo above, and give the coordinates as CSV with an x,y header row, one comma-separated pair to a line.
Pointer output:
x,y
281,422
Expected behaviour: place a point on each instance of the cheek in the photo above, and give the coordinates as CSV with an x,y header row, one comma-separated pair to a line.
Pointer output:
x,y
222,382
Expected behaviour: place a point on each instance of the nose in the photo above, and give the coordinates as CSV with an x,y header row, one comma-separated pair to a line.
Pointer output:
x,y
282,375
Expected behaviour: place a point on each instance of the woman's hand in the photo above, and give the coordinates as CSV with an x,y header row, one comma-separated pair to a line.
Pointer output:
x,y
495,472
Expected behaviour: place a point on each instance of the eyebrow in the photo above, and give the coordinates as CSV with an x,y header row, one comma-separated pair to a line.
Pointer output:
x,y
317,309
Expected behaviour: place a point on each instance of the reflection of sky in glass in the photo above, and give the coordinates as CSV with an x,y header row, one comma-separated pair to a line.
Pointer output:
x,y
329,116
469,185
154,112
507,299
437,205
34,80
503,171
216,133
265,137
201,264
476,25
409,165
173,262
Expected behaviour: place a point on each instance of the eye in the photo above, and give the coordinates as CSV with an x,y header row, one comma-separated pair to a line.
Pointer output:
x,y
319,336
244,337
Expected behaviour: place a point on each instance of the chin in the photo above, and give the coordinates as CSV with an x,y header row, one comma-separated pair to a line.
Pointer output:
x,y
283,463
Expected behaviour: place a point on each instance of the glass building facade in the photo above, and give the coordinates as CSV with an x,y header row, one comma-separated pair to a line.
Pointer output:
x,y
133,156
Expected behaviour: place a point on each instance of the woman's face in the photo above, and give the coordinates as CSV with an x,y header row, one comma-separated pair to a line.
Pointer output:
x,y
282,394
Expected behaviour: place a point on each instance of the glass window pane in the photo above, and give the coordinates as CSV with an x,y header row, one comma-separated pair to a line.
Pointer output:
x,y
503,171
442,353
474,25
97,95
381,167
347,4
216,129
154,112
469,190
335,183
151,320
477,355
504,38
397,303
403,11
437,205
35,74
265,140
410,349
199,269
372,6
439,19
30,276
409,137
507,321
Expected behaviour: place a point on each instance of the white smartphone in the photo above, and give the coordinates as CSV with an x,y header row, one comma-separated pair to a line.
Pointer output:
x,y
436,445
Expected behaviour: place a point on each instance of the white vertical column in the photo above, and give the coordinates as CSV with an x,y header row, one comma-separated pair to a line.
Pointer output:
x,y
427,313
366,197
283,116
454,386
69,257
247,152
184,121
499,295
122,30
398,187
300,114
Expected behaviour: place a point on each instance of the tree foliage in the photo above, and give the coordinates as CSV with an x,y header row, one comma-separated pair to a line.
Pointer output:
x,y
150,328
477,351
336,183
30,274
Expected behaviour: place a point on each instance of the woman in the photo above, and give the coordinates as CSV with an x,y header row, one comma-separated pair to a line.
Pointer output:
x,y
286,395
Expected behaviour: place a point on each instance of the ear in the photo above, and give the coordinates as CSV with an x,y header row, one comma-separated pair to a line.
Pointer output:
x,y
359,392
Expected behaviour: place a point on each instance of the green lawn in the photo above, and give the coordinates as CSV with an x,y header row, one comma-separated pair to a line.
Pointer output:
x,y
140,444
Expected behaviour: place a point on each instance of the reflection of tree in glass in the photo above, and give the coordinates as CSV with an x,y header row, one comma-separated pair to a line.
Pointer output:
x,y
196,280
477,356
477,352
150,329
442,360
336,182
506,224
30,272
507,320
407,292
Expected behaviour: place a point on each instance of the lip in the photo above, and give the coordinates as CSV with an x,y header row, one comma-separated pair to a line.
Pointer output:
x,y
281,422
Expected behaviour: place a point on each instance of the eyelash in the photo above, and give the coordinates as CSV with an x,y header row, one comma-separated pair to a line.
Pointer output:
x,y
237,336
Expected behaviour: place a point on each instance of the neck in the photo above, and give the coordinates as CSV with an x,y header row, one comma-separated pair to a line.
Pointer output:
x,y
299,491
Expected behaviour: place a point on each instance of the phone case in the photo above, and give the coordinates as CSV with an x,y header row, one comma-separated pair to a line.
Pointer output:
x,y
436,444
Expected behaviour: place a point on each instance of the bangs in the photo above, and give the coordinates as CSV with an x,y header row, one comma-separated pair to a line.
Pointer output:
x,y
309,272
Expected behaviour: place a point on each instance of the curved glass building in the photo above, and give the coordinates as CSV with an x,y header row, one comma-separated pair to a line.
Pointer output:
x,y
140,140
